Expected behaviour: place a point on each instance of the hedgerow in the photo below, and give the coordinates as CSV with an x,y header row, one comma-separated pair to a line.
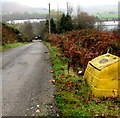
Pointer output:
x,y
80,46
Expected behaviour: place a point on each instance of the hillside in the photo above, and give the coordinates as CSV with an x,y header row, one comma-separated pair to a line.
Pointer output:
x,y
12,7
101,9
15,11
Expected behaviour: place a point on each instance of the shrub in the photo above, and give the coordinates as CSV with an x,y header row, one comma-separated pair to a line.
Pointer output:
x,y
83,45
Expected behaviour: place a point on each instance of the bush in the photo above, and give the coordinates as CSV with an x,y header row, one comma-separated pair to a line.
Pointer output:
x,y
83,45
10,35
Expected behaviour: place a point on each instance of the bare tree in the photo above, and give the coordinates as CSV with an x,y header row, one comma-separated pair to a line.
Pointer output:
x,y
78,10
69,8
83,20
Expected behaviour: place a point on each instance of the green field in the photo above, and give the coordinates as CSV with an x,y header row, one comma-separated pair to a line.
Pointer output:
x,y
106,16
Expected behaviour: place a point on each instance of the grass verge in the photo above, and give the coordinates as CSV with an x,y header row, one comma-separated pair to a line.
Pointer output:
x,y
73,96
11,45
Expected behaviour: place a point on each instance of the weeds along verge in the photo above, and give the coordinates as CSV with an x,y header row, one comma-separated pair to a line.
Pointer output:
x,y
73,96
80,46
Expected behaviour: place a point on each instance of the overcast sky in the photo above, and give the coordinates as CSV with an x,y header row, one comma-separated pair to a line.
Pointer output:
x,y
62,3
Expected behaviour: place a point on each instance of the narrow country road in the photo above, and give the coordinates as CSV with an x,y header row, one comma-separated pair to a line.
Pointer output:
x,y
26,89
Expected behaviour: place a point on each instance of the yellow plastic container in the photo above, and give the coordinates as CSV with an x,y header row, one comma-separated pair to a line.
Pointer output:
x,y
102,75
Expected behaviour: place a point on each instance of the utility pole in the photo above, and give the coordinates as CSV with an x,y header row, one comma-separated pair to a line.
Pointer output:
x,y
49,20
67,7
58,12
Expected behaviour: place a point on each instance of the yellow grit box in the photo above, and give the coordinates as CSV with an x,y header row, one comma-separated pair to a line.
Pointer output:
x,y
103,75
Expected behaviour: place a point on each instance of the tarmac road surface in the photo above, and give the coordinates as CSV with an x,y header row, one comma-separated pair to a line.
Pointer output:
x,y
26,89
